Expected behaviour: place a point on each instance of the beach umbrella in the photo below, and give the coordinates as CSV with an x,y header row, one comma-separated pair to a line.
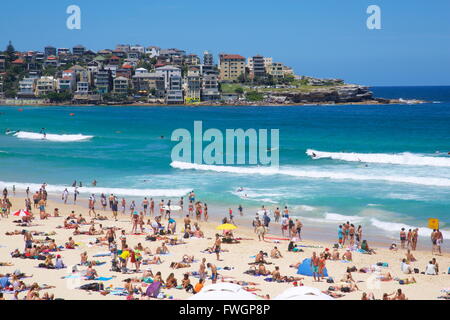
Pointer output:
x,y
224,291
303,293
22,213
226,226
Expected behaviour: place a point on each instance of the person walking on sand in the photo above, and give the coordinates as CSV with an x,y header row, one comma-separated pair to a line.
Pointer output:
x,y
124,205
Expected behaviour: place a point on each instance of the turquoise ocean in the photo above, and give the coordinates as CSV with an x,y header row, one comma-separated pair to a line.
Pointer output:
x,y
384,166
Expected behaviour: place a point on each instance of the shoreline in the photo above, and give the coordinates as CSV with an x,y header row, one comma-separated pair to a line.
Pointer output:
x,y
241,104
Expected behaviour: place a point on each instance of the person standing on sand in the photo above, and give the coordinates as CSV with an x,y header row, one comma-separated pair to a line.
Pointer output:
x,y
75,195
439,240
433,241
65,195
351,233
298,228
124,205
202,269
276,214
402,238
214,274
315,266
205,208
145,205
28,237
409,239
114,209
284,224
322,261
414,238
132,207
216,246
152,207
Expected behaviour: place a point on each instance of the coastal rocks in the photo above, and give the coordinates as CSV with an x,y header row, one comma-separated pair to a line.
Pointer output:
x,y
338,94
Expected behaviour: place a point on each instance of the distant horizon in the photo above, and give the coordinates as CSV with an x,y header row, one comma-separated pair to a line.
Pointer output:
x,y
325,39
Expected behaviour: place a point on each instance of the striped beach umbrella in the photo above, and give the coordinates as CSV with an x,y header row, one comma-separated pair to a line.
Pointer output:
x,y
22,213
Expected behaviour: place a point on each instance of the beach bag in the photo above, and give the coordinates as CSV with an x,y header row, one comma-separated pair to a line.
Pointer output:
x,y
186,235
345,289
417,270
330,280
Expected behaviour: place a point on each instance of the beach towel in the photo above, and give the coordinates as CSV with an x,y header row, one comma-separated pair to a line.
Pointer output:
x,y
103,278
306,270
106,254
153,289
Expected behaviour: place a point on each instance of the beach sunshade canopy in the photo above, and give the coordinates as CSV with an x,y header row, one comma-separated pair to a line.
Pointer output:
x,y
226,226
306,270
22,213
303,293
223,291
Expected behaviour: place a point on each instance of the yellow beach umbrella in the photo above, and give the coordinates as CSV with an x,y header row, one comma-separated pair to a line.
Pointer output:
x,y
226,226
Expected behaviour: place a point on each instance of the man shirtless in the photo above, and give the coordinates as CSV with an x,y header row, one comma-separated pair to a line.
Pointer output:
x,y
315,266
202,269
275,253
216,246
214,274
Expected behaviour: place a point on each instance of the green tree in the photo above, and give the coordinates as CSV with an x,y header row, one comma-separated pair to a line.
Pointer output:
x,y
10,52
239,90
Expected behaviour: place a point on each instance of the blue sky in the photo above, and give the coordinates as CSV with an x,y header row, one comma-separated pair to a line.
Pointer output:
x,y
323,38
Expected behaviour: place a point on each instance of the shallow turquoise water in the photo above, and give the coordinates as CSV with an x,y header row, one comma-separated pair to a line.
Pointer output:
x,y
127,152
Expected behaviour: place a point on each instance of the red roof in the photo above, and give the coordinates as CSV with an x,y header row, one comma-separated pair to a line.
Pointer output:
x,y
18,61
127,66
114,58
233,56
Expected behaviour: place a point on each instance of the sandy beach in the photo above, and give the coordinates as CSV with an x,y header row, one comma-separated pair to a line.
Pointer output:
x,y
236,257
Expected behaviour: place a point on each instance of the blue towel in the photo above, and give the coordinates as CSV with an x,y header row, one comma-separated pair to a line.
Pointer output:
x,y
103,278
102,255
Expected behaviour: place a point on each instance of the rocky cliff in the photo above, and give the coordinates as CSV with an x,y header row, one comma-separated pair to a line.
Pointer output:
x,y
337,94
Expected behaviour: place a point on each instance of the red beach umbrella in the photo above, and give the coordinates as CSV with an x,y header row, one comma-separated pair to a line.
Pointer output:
x,y
22,213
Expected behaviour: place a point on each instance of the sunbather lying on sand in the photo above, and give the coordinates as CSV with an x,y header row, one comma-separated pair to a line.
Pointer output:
x,y
179,265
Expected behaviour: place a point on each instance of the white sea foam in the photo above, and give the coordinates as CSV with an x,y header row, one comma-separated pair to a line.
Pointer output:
x,y
341,218
98,190
396,227
304,207
52,137
294,172
406,158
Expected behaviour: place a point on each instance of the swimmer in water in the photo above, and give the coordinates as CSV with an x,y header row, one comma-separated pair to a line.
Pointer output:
x,y
43,132
314,155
